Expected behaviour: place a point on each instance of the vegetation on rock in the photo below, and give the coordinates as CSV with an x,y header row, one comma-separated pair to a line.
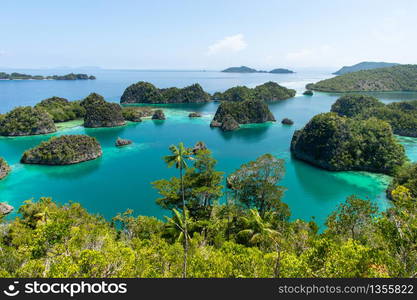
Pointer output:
x,y
341,144
242,112
122,142
158,115
26,120
269,91
63,150
308,93
61,109
396,78
132,114
402,116
99,113
4,168
145,92
281,71
287,121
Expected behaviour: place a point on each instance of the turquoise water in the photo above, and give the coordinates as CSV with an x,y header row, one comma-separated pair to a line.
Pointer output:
x,y
121,178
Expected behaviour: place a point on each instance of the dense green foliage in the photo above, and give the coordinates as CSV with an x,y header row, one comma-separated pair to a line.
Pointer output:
x,y
339,144
353,105
145,92
402,116
4,168
396,78
71,76
242,112
99,113
406,177
269,91
132,114
63,150
61,109
26,121
365,65
51,240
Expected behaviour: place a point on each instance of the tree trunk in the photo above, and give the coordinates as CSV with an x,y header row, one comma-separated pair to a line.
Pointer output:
x,y
184,271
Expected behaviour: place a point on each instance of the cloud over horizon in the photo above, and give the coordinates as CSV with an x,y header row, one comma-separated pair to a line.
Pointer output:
x,y
228,44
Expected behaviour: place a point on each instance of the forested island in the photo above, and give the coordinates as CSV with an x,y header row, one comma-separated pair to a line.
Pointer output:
x,y
402,116
100,113
62,110
145,92
26,120
396,78
63,150
230,115
338,143
244,69
269,91
21,76
4,168
251,235
365,65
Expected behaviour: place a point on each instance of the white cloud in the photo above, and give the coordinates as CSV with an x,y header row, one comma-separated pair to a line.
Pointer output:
x,y
311,56
229,44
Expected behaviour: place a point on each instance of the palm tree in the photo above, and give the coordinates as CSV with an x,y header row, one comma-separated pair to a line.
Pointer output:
x,y
257,231
179,158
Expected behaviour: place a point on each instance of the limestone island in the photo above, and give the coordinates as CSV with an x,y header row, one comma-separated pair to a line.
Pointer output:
x,y
287,121
365,65
62,110
145,92
308,93
20,76
4,168
396,78
122,142
402,116
26,120
269,91
100,113
158,115
230,115
63,150
337,143
194,115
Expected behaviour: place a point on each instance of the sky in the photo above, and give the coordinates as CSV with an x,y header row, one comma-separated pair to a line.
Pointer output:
x,y
206,34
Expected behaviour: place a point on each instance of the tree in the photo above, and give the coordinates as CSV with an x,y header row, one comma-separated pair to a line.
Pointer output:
x,y
179,158
255,184
202,186
352,217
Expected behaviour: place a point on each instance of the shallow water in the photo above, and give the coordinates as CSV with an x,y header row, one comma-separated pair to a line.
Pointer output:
x,y
121,178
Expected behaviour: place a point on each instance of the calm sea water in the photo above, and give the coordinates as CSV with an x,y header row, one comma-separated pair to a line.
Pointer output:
x,y
121,178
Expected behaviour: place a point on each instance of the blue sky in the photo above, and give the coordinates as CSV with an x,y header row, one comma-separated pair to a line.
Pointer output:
x,y
211,34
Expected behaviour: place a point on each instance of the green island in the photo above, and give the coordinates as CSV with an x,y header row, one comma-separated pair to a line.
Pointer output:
x,y
26,120
365,65
20,76
61,109
244,69
269,91
145,92
230,114
100,113
402,116
63,150
4,168
396,78
337,143
251,235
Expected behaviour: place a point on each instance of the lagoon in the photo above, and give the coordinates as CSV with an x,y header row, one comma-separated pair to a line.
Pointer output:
x,y
121,178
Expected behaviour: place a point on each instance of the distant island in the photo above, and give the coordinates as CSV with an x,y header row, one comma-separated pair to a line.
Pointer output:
x,y
269,91
145,92
244,69
230,115
21,76
396,78
365,65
